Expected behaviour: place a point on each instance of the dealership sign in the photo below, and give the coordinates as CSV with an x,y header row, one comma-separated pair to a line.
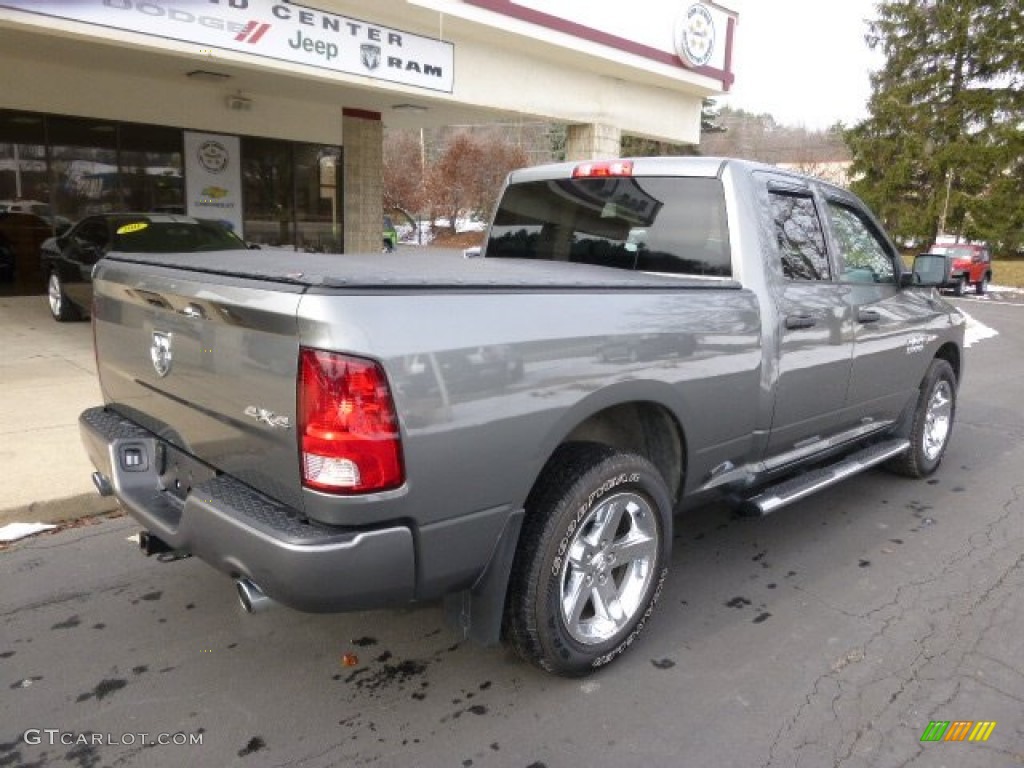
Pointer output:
x,y
276,30
695,36
666,31
213,178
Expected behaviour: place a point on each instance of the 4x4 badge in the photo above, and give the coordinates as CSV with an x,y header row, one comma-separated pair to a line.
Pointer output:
x,y
160,353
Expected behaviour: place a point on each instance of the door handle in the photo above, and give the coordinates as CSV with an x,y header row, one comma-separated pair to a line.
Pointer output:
x,y
800,321
868,316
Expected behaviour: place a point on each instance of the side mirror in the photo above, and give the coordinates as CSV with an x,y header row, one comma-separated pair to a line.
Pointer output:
x,y
930,270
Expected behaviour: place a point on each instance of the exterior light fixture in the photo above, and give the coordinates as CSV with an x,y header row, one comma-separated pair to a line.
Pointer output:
x,y
207,75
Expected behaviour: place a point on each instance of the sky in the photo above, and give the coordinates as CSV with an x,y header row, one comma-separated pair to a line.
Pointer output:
x,y
803,61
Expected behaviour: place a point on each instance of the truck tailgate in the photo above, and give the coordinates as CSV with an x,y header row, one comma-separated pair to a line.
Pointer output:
x,y
206,362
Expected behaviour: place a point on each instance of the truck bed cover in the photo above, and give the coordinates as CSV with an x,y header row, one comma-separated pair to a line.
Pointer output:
x,y
416,269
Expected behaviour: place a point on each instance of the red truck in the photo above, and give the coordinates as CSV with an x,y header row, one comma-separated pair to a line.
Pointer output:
x,y
970,263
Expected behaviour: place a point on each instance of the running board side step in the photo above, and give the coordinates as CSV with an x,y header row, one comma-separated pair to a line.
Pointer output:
x,y
785,493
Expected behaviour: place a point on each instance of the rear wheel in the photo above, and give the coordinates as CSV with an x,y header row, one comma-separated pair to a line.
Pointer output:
x,y
981,287
592,558
932,424
60,306
960,286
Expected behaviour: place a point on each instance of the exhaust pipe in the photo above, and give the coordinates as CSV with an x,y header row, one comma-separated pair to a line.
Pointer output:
x,y
102,484
251,597
152,545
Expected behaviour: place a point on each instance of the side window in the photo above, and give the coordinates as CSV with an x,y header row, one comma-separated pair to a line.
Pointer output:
x,y
864,256
799,236
93,233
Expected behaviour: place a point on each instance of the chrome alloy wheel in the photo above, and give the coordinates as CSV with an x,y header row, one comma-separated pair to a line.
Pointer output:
x,y
609,566
938,419
55,294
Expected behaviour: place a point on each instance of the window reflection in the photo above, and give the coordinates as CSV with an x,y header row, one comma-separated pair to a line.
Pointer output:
x,y
151,169
865,258
318,213
291,196
663,225
800,238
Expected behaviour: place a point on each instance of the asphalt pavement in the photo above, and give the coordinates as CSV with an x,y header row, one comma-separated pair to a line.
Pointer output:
x,y
834,632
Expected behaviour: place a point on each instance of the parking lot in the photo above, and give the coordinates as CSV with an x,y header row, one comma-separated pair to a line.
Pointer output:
x,y
831,633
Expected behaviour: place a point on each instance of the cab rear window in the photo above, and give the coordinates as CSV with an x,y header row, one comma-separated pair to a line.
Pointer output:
x,y
644,224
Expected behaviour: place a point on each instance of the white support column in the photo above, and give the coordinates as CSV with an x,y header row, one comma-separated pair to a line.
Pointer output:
x,y
363,179
593,141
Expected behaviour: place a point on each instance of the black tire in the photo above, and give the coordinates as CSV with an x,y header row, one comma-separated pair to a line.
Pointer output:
x,y
981,287
561,551
960,286
932,423
60,305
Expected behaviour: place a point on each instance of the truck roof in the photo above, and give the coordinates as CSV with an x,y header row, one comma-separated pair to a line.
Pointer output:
x,y
684,166
706,167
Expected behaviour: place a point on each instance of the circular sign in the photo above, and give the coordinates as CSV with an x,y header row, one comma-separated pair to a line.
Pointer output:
x,y
213,156
695,36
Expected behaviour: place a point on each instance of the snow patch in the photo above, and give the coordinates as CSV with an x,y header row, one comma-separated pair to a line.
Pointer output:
x,y
976,330
15,531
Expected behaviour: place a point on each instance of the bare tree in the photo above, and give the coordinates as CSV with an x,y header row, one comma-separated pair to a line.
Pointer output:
x,y
403,172
465,178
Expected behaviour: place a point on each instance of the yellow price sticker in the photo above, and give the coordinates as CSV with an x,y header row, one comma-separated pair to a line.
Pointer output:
x,y
127,229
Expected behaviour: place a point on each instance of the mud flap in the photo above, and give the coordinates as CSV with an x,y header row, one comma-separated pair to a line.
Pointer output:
x,y
476,613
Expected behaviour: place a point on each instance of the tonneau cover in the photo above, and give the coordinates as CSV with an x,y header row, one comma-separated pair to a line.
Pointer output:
x,y
419,268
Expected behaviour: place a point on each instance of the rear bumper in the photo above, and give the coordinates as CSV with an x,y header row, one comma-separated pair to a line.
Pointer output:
x,y
297,562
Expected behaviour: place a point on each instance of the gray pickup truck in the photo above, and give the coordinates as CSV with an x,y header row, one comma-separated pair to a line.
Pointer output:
x,y
517,433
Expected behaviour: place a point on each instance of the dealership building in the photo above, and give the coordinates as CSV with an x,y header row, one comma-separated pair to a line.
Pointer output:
x,y
269,115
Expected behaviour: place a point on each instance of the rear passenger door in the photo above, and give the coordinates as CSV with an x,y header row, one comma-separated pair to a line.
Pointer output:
x,y
814,330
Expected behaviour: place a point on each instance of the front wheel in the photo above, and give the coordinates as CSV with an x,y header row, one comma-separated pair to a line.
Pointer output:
x,y
591,561
932,424
981,287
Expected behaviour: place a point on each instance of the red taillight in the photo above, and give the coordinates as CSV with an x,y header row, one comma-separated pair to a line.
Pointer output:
x,y
348,428
603,169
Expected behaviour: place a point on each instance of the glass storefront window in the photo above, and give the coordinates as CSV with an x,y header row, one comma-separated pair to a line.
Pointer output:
x,y
83,166
55,170
22,158
291,194
268,192
25,216
151,169
318,214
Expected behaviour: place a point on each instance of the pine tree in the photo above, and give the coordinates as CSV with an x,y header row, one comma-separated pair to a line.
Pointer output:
x,y
943,147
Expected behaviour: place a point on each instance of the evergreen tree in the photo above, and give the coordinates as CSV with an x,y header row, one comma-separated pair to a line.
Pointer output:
x,y
943,147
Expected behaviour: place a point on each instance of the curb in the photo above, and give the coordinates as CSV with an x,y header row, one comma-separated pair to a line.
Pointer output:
x,y
60,510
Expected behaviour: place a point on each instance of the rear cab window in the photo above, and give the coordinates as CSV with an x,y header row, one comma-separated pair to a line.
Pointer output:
x,y
663,225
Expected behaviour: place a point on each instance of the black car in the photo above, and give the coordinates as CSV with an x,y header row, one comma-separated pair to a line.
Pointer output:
x,y
67,261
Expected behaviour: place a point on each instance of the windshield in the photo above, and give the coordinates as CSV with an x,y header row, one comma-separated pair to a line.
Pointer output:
x,y
175,237
665,225
960,252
